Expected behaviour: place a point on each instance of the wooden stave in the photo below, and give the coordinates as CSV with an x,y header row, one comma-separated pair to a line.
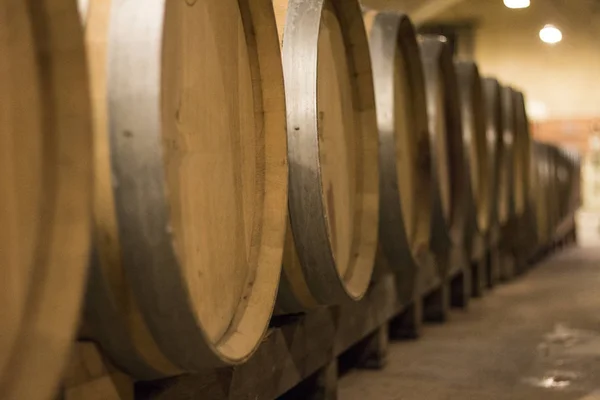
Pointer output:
x,y
53,292
491,89
147,256
393,34
318,283
446,230
475,141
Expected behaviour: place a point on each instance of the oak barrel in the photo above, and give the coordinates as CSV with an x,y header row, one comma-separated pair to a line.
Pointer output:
x,y
522,154
541,183
524,237
404,153
493,108
571,164
112,314
567,177
554,187
332,151
189,226
45,192
448,164
479,178
507,167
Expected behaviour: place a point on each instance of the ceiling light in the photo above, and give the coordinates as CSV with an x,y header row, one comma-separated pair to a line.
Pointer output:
x,y
517,3
550,34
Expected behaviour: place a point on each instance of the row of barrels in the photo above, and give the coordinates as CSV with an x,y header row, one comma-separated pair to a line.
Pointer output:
x,y
209,163
556,193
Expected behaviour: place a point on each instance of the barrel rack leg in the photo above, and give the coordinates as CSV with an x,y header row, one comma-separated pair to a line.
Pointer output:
x,y
437,303
479,279
326,382
460,289
322,385
494,267
407,324
507,265
373,350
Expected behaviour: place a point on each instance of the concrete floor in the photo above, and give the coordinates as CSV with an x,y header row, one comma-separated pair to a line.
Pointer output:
x,y
535,338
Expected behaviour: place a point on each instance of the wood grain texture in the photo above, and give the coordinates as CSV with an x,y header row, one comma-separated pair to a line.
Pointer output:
x,y
332,147
448,163
45,191
404,154
198,153
476,153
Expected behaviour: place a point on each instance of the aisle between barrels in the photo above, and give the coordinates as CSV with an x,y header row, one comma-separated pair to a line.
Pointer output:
x,y
535,338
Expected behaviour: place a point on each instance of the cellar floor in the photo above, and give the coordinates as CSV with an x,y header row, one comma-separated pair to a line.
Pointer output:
x,y
537,337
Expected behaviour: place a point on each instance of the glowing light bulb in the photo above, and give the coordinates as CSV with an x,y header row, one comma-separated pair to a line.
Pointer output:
x,y
517,3
550,34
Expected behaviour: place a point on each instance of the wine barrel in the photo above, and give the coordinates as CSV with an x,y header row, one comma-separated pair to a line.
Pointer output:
x,y
45,192
112,314
404,153
507,168
189,227
524,237
554,187
522,154
542,192
493,108
333,154
572,162
479,176
566,179
448,163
